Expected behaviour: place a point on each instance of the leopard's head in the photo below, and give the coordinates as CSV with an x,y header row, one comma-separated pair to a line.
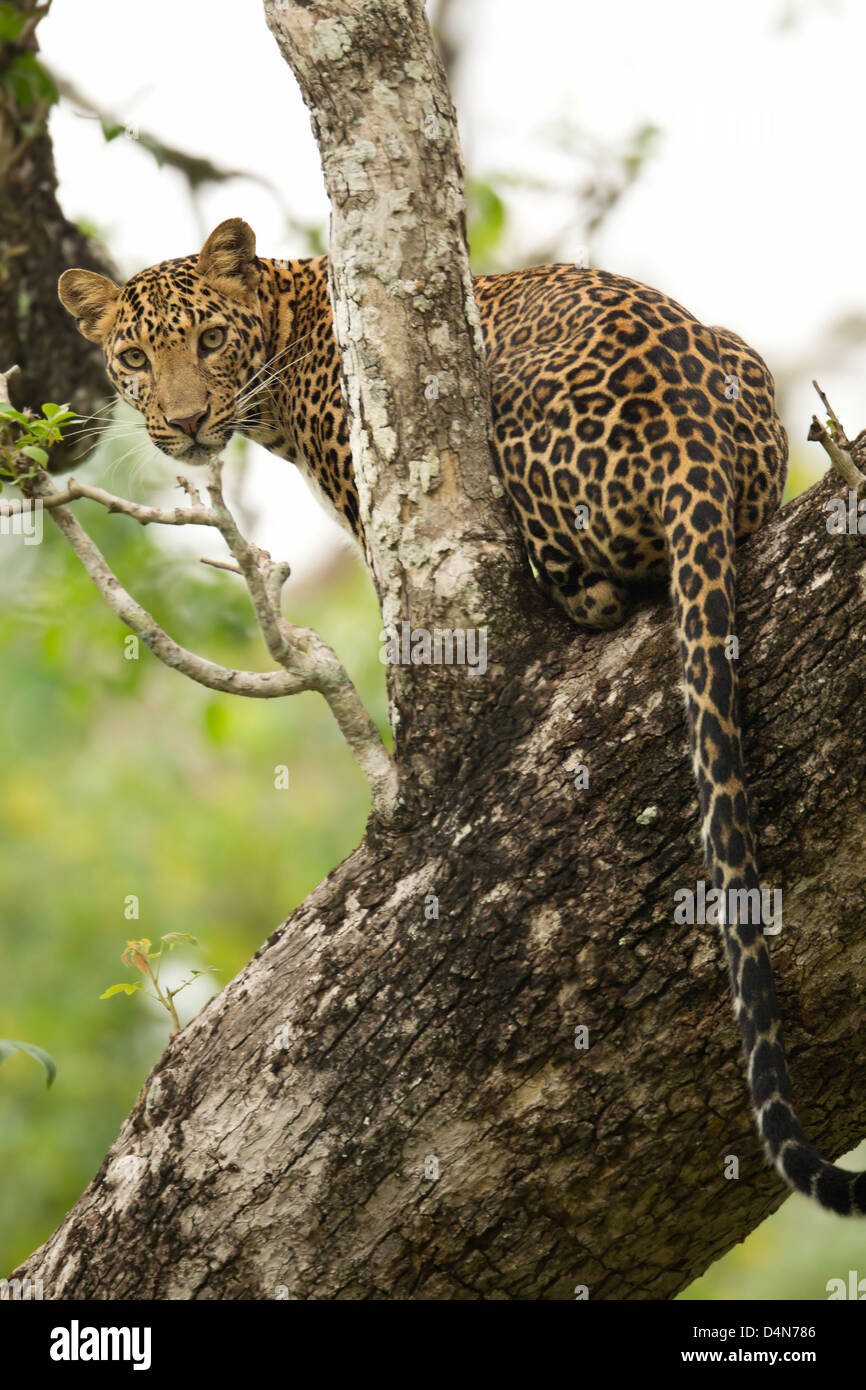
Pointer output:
x,y
182,340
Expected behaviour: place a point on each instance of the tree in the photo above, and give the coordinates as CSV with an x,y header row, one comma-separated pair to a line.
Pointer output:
x,y
397,1097
37,242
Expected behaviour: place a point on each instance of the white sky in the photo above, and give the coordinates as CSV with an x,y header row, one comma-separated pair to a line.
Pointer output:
x,y
750,214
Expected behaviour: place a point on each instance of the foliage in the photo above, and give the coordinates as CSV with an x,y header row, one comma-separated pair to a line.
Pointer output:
x,y
31,438
487,219
139,954
23,79
9,1046
593,180
12,23
28,82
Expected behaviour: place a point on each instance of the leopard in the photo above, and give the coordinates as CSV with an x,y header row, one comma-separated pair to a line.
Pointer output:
x,y
635,445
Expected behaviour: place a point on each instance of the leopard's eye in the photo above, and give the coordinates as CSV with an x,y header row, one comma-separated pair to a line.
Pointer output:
x,y
133,358
212,338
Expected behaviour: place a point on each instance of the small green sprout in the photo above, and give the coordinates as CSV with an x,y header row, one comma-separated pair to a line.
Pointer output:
x,y
139,954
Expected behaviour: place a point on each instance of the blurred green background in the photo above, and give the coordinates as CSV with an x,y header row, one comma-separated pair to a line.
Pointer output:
x,y
121,777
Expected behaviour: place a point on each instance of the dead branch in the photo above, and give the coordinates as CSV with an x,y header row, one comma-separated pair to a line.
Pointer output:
x,y
308,662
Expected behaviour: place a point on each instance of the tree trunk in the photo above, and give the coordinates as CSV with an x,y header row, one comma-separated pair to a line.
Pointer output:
x,y
440,544
37,243
389,1102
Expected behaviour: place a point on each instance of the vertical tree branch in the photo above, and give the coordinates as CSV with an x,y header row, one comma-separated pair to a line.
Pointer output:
x,y
441,545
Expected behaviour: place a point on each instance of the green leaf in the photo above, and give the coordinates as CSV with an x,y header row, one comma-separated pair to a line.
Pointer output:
x,y
175,937
643,146
49,431
153,147
487,218
118,989
29,81
9,412
34,452
12,22
8,1046
194,974
111,129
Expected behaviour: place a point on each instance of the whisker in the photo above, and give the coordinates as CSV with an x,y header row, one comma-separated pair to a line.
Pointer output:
x,y
117,462
248,394
138,468
99,415
251,388
100,431
276,357
251,385
80,425
97,443
247,423
243,405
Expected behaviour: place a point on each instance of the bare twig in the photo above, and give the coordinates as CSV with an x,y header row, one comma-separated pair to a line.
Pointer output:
x,y
308,662
836,447
222,565
840,435
196,169
5,379
175,516
258,684
256,566
190,489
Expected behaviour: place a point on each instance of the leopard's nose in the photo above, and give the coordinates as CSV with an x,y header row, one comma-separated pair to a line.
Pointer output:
x,y
188,423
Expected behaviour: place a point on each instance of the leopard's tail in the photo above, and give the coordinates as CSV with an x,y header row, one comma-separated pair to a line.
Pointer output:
x,y
701,551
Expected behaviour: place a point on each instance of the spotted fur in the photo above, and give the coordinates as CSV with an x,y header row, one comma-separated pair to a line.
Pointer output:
x,y
634,443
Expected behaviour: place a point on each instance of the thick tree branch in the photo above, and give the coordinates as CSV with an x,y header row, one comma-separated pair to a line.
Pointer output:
x,y
440,543
423,1003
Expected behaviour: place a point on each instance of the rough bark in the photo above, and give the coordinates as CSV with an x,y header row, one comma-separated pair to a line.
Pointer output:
x,y
388,1101
439,543
37,243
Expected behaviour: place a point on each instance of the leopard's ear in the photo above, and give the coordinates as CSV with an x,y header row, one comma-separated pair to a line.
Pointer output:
x,y
228,259
91,300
